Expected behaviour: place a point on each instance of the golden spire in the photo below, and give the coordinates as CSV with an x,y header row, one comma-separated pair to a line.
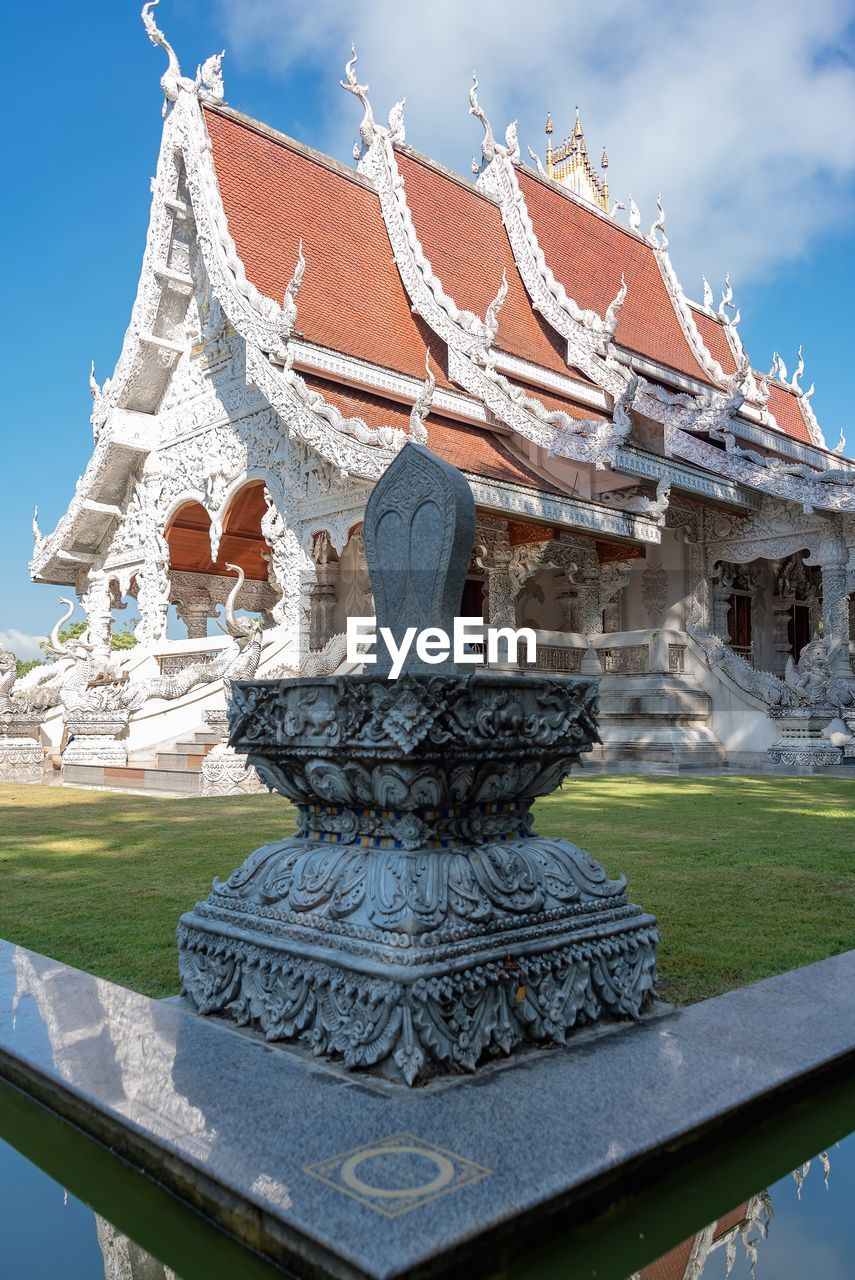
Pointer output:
x,y
571,165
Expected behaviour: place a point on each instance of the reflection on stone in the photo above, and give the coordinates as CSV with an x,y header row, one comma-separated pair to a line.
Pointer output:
x,y
124,1260
747,1225
137,1049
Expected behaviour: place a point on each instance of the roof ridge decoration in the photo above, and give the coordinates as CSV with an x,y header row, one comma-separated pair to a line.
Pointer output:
x,y
208,85
422,406
455,325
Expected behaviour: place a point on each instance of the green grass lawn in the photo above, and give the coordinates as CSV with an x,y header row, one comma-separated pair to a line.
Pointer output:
x,y
748,876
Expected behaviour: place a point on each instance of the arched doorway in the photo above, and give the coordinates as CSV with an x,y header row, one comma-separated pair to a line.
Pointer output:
x,y
200,583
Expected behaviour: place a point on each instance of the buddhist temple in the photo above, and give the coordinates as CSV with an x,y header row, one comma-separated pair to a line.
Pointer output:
x,y
657,508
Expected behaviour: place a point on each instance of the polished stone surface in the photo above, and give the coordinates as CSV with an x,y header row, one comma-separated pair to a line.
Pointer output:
x,y
368,1178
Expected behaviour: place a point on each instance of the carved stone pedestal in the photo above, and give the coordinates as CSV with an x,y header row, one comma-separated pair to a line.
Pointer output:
x,y
95,739
21,760
224,771
801,743
415,922
21,753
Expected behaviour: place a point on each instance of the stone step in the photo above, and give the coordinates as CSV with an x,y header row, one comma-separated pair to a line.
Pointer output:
x,y
185,761
133,777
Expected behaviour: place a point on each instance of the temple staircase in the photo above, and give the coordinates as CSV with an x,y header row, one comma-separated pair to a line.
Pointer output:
x,y
176,770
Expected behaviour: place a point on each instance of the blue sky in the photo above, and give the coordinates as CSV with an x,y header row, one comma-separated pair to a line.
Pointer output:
x,y
741,117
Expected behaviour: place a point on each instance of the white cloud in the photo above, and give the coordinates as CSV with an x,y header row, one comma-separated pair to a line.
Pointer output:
x,y
22,645
739,112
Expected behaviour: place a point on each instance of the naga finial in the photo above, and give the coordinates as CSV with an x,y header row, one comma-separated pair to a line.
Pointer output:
x,y
367,127
172,81
292,292
611,317
238,629
422,406
488,142
397,130
634,215
512,142
491,319
94,388
800,368
209,78
538,162
726,297
38,537
709,301
659,226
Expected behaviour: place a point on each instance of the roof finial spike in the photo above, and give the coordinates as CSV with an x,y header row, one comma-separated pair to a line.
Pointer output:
x,y
38,537
537,162
709,301
488,142
94,387
549,124
726,296
659,225
634,215
604,163
367,128
172,81
397,132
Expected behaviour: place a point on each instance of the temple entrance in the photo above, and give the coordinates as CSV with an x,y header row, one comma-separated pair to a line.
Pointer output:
x,y
199,581
739,625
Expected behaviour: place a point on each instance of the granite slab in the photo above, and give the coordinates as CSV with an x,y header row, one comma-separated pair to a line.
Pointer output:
x,y
334,1175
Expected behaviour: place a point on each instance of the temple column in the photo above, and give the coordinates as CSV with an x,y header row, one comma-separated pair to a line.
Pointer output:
x,y
720,593
194,609
323,591
782,611
153,588
832,556
289,571
97,602
494,554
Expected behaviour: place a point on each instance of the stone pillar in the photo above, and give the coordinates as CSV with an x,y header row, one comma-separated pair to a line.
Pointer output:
x,y
494,554
194,606
289,570
97,602
782,609
832,556
720,594
323,594
153,588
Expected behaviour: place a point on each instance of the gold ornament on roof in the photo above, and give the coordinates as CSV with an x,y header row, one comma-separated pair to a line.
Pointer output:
x,y
570,164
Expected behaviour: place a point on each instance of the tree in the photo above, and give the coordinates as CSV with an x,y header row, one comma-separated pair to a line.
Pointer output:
x,y
22,666
119,640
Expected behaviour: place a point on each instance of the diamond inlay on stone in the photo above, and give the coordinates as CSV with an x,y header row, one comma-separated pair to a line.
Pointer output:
x,y
396,1174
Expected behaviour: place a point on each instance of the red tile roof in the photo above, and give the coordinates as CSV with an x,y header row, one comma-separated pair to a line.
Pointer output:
x,y
787,412
715,340
588,253
352,297
275,193
470,448
462,234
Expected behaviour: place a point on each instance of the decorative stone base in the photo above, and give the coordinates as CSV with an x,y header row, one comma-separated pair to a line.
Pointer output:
x,y
21,760
96,749
421,960
802,743
226,773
